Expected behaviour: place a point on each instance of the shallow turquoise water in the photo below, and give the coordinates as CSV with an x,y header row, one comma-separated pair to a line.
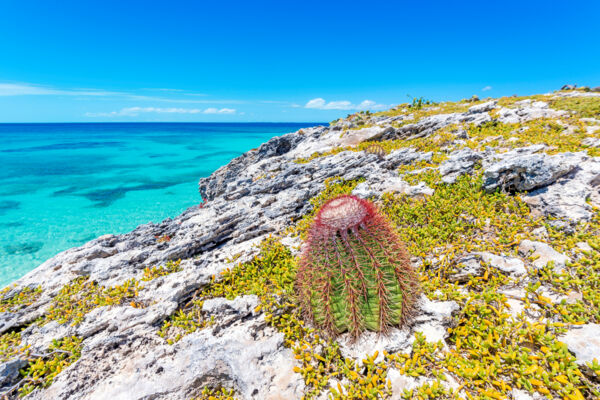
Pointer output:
x,y
64,184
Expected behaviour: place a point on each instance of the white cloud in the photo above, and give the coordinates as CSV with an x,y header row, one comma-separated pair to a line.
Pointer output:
x,y
485,89
366,104
339,105
315,103
213,110
321,104
135,111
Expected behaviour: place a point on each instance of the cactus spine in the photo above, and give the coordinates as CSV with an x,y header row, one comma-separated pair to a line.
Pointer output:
x,y
354,273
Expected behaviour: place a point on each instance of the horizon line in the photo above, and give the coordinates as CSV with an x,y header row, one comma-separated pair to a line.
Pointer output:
x,y
168,122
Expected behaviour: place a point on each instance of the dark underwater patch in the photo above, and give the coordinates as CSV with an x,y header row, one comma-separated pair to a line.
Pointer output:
x,y
201,147
64,146
153,186
65,192
7,205
105,197
23,248
12,189
40,167
230,153
11,224
163,155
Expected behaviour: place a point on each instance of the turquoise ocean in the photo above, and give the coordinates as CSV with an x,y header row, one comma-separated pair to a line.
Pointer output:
x,y
62,185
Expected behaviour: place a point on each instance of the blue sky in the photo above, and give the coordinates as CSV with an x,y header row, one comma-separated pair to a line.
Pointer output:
x,y
109,61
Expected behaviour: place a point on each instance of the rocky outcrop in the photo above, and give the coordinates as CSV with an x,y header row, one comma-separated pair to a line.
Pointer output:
x,y
573,196
459,163
542,254
515,172
242,351
472,265
527,110
259,193
476,115
263,192
584,342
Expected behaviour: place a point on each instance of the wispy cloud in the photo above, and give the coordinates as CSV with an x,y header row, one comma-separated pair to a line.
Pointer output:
x,y
135,111
320,104
18,89
486,88
164,89
29,89
219,111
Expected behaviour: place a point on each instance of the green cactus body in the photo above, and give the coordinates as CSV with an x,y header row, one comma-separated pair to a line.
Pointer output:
x,y
354,274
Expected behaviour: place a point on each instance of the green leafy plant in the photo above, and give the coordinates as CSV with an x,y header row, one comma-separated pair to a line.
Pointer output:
x,y
43,368
354,273
11,302
81,296
419,102
10,345
154,272
216,394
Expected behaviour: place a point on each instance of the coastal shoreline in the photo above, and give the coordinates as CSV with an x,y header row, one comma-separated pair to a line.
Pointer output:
x,y
531,163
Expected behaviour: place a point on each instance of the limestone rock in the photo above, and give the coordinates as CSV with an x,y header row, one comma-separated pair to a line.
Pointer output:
x,y
330,139
9,373
584,342
567,199
518,394
376,186
527,172
428,125
509,265
526,110
584,246
244,354
467,267
404,156
401,382
543,254
470,265
483,107
459,163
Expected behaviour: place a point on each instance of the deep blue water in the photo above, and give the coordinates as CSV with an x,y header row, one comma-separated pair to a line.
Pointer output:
x,y
64,184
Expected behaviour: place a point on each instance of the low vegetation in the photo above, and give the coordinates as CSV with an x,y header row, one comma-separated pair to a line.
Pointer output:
x,y
492,348
82,295
43,368
10,302
151,273
583,107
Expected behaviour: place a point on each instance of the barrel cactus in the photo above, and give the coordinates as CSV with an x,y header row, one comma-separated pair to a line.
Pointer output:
x,y
354,273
